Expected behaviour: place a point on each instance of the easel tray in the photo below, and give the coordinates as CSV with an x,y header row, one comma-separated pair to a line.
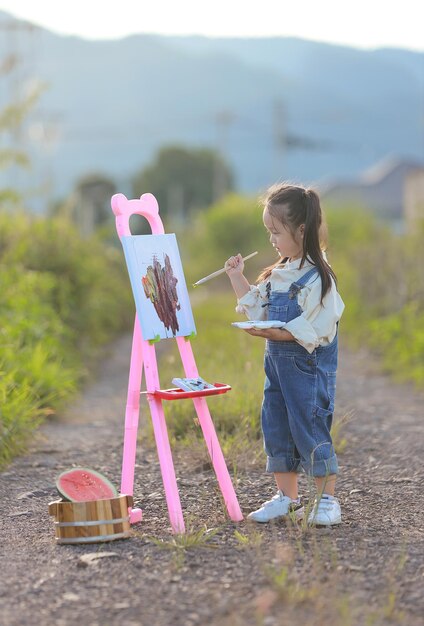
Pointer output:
x,y
179,394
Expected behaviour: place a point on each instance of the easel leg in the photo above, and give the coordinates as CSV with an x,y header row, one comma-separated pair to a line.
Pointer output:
x,y
218,460
210,436
162,441
166,465
131,420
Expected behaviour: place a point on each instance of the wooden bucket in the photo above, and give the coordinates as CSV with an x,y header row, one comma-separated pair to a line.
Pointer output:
x,y
93,521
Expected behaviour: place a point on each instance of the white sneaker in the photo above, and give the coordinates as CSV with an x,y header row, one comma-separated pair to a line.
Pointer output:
x,y
325,512
279,506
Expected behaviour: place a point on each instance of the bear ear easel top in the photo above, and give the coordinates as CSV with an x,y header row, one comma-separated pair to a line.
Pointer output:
x,y
147,206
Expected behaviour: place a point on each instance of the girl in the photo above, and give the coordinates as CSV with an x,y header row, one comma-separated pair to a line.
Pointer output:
x,y
301,358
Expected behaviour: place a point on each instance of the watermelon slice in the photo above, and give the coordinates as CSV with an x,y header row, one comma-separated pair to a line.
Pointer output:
x,y
81,484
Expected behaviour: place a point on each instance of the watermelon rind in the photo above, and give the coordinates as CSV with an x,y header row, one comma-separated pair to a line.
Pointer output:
x,y
100,488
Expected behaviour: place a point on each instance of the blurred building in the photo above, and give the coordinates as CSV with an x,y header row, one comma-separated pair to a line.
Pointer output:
x,y
392,189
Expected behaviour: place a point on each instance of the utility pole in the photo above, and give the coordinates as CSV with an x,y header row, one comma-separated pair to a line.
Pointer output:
x,y
223,121
279,132
175,204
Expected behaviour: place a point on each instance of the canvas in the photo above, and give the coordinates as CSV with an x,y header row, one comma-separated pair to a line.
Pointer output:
x,y
159,286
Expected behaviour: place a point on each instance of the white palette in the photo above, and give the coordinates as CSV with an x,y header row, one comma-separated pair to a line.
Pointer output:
x,y
258,324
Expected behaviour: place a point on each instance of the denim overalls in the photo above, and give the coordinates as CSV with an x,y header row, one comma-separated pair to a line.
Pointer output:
x,y
299,393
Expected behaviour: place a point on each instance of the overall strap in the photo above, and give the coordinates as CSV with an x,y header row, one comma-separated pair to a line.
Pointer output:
x,y
305,278
296,287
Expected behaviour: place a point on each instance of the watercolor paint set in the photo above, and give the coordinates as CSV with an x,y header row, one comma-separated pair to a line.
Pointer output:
x,y
192,384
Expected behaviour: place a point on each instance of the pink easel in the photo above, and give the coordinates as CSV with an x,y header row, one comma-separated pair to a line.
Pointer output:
x,y
143,357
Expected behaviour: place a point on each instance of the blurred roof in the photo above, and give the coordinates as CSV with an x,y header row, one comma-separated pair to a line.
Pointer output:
x,y
387,167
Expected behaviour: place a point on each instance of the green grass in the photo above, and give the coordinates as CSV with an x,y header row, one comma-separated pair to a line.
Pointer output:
x,y
62,298
382,284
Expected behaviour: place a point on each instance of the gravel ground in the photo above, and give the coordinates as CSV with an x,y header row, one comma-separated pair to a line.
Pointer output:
x,y
368,571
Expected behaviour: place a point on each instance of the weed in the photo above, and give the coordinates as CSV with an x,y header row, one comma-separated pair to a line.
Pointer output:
x,y
180,543
339,441
305,581
251,539
188,540
289,588
388,606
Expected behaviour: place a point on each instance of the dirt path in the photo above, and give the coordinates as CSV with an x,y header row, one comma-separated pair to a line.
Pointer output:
x,y
369,570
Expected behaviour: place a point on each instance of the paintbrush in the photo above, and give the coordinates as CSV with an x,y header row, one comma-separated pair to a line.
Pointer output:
x,y
219,272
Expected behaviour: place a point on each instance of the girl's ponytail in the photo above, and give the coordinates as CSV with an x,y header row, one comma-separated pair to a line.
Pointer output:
x,y
312,239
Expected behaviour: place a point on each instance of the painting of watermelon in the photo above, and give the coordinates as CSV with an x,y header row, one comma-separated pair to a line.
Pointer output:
x,y
81,484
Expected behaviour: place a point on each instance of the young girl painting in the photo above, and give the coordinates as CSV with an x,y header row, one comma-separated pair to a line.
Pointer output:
x,y
300,362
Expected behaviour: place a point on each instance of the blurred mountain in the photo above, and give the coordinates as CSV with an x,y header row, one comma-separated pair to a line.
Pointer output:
x,y
278,108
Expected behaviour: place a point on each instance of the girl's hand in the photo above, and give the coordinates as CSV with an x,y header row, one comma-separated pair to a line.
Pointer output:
x,y
234,265
266,333
274,334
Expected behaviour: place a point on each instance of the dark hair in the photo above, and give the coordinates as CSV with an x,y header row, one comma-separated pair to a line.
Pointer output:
x,y
292,206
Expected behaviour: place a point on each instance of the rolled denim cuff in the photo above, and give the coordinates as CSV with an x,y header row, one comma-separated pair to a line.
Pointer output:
x,y
321,467
281,464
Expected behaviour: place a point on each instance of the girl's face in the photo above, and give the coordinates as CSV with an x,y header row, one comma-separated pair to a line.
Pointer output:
x,y
281,238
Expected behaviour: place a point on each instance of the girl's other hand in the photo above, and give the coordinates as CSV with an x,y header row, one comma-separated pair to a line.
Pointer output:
x,y
234,265
274,334
265,333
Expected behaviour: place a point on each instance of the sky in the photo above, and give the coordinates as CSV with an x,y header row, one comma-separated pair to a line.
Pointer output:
x,y
359,23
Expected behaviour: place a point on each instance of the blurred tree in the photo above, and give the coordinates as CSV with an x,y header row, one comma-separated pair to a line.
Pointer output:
x,y
184,179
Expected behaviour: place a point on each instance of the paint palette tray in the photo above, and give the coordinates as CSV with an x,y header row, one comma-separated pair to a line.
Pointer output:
x,y
179,394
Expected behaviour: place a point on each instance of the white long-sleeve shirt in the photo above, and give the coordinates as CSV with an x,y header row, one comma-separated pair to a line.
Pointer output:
x,y
317,325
